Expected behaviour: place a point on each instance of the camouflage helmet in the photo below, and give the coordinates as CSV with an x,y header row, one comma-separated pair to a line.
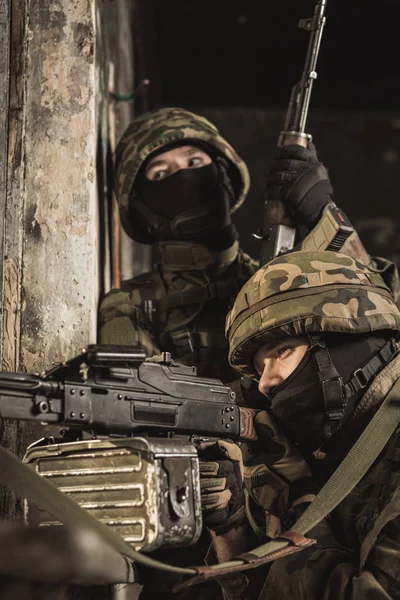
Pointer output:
x,y
306,292
153,130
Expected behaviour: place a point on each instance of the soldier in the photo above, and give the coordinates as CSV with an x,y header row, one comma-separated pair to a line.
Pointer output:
x,y
319,331
177,182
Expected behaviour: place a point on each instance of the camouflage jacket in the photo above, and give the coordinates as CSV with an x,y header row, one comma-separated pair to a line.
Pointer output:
x,y
272,464
180,306
324,232
358,550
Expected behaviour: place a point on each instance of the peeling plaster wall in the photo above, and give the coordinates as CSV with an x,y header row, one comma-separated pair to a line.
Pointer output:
x,y
4,98
4,86
59,269
48,199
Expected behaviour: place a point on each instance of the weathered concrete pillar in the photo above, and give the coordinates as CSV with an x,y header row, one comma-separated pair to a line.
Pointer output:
x,y
52,61
12,72
59,286
49,204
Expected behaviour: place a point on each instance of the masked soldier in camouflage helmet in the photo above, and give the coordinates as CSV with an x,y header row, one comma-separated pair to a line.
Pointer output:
x,y
319,332
177,183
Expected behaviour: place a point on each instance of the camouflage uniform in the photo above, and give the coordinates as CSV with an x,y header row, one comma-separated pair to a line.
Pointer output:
x,y
302,293
181,304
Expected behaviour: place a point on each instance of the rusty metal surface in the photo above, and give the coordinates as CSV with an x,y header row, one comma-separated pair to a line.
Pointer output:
x,y
128,484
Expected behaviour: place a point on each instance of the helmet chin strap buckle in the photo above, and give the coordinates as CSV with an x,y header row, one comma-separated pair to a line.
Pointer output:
x,y
361,378
331,381
334,400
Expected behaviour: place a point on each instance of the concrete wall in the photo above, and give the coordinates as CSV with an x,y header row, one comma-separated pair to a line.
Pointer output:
x,y
54,125
59,253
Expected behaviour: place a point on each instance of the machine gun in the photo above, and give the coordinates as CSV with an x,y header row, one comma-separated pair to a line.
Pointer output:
x,y
278,232
129,453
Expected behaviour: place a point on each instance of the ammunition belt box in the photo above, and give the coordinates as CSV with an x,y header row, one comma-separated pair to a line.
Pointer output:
x,y
147,489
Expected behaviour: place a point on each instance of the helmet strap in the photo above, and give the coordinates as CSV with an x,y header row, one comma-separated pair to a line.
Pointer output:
x,y
362,377
150,220
335,393
331,384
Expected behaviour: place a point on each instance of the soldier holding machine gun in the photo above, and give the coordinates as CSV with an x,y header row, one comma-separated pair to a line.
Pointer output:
x,y
299,210
180,305
177,181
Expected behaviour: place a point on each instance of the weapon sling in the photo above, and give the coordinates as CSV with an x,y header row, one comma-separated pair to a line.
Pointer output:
x,y
27,483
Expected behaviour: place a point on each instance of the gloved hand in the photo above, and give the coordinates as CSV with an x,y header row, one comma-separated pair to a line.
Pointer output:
x,y
300,181
221,484
277,477
273,449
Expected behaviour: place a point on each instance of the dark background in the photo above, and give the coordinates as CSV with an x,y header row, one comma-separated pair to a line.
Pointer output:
x,y
250,52
236,61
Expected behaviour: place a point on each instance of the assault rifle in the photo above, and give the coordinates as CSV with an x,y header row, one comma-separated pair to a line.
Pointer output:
x,y
279,231
111,399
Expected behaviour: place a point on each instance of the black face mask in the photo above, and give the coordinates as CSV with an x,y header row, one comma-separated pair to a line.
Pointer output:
x,y
184,190
191,204
298,402
298,405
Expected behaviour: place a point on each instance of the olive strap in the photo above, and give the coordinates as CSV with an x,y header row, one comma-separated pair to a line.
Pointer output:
x,y
348,474
26,482
29,484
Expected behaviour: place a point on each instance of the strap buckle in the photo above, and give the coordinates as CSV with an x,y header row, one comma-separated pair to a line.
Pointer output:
x,y
332,390
212,290
361,379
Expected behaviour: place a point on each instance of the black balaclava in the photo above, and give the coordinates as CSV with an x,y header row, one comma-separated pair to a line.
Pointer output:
x,y
192,204
298,402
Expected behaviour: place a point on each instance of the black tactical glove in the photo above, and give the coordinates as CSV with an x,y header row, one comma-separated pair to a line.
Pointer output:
x,y
221,483
301,182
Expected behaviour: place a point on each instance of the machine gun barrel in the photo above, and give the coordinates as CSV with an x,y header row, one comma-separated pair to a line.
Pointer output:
x,y
31,384
30,397
137,396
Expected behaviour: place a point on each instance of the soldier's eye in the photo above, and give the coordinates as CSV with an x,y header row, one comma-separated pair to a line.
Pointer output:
x,y
284,351
156,175
195,161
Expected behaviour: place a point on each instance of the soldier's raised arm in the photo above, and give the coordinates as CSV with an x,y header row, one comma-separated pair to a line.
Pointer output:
x,y
298,179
